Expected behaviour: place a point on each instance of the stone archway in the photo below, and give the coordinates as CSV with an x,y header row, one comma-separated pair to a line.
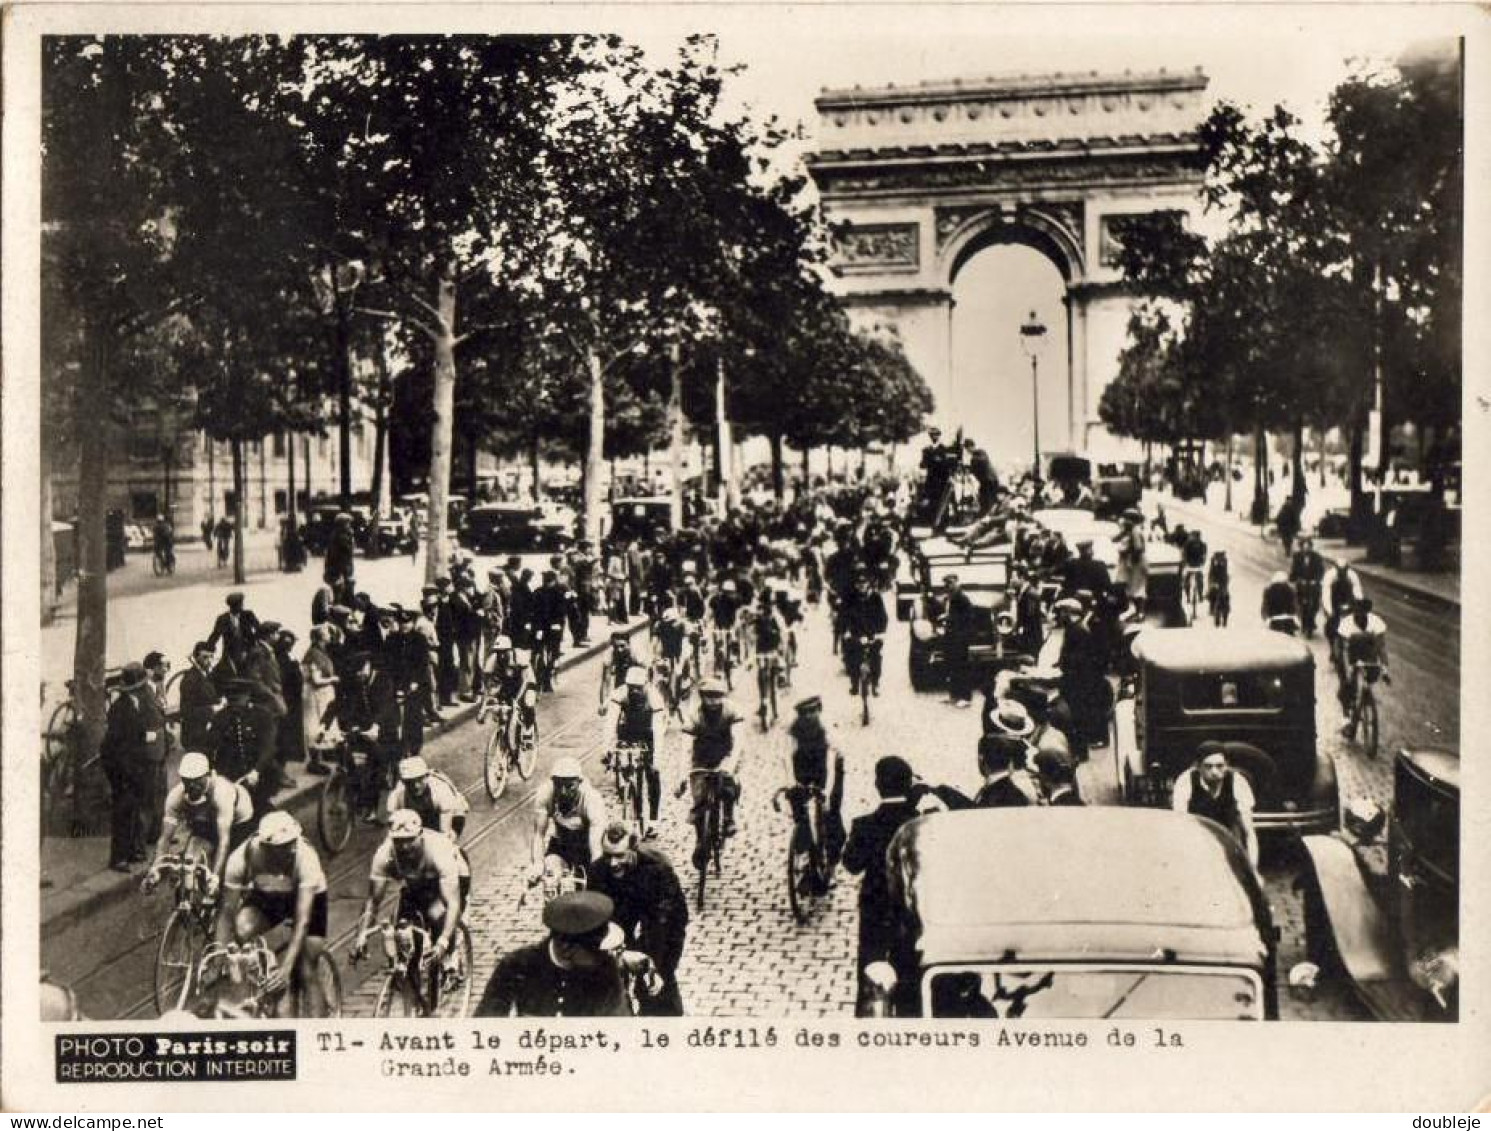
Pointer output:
x,y
919,180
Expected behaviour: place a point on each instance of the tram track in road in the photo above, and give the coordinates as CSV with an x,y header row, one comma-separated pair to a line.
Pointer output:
x,y
352,865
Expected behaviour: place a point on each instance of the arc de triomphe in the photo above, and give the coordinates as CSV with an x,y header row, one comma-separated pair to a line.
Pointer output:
x,y
919,180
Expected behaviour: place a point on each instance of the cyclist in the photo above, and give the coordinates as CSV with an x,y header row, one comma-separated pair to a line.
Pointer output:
x,y
273,877
713,749
569,815
789,607
618,663
1192,562
809,773
672,636
1219,588
724,608
163,539
865,621
768,638
435,878
1307,575
1343,589
642,720
440,805
510,680
1278,601
1364,639
217,813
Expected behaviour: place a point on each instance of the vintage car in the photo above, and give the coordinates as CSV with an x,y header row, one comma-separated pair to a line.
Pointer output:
x,y
1249,688
1395,934
1176,927
984,576
640,519
509,528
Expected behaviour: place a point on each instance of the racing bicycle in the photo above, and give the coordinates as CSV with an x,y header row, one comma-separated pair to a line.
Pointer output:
x,y
234,977
512,745
414,984
188,928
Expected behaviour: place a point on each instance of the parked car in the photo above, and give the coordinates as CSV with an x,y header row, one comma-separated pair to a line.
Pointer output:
x,y
1239,686
1107,913
509,528
639,518
1393,935
983,575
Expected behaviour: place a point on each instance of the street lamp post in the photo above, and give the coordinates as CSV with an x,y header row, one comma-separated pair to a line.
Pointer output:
x,y
1032,339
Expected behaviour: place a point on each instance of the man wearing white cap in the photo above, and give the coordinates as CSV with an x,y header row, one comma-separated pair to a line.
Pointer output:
x,y
276,876
642,720
440,805
217,814
569,816
434,879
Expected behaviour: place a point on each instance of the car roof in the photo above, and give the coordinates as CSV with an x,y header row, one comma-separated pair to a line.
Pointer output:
x,y
505,508
1208,649
1026,884
1436,763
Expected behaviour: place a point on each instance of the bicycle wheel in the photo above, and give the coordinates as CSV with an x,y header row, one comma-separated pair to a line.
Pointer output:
x,y
57,767
181,945
495,763
329,980
396,997
1369,724
61,727
456,987
799,874
527,752
707,833
864,697
334,812
173,700
641,800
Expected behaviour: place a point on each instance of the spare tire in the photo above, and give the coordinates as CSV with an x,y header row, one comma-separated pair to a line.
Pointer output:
x,y
1254,764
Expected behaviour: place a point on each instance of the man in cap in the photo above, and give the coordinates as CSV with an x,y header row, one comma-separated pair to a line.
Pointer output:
x,y
440,805
447,668
650,909
712,729
273,877
240,743
262,666
1084,684
569,974
467,623
863,620
1084,572
672,639
620,661
641,723
1001,761
569,815
1057,774
434,883
960,622
131,754
237,629
864,854
217,815
199,698
1214,790
1133,556
810,780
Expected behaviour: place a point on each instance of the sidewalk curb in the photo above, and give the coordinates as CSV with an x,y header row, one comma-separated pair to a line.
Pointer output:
x,y
1365,568
103,888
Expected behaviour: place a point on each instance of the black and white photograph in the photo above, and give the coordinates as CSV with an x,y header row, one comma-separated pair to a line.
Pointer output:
x,y
607,518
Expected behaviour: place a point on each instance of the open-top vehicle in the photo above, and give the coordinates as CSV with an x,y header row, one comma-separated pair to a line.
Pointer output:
x,y
983,575
1251,689
1393,934
1176,926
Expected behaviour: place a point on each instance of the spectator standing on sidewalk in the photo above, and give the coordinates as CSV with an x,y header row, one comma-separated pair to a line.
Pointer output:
x,y
133,751
224,535
291,735
318,685
340,549
199,698
241,742
237,629
467,625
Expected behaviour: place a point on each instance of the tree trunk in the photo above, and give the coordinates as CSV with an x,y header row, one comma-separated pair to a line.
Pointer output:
x,y
308,495
381,496
533,464
778,478
212,479
675,438
240,510
1227,498
344,394
292,521
1355,445
48,545
724,464
807,476
441,429
1298,488
828,461
263,487
1260,509
91,642
595,447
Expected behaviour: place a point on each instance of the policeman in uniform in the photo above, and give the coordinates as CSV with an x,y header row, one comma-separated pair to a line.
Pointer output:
x,y
240,739
568,974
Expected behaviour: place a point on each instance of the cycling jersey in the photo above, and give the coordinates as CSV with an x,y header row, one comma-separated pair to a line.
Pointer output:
x,y
441,797
439,860
250,869
1345,589
723,607
671,637
620,662
585,812
634,722
201,817
692,602
1364,645
512,681
768,633
714,739
1194,554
